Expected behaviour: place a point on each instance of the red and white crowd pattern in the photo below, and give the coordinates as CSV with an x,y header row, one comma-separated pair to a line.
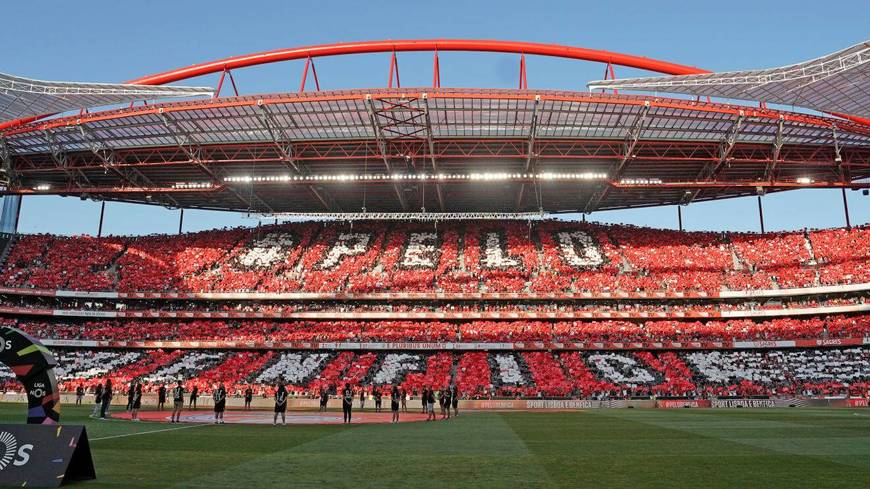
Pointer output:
x,y
591,374
581,260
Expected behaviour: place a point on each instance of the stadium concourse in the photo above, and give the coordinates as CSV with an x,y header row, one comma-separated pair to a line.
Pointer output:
x,y
502,310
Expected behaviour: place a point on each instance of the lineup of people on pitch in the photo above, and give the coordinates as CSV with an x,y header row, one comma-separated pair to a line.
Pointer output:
x,y
479,375
447,397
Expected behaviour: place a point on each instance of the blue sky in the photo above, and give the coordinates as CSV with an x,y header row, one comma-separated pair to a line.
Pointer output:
x,y
111,41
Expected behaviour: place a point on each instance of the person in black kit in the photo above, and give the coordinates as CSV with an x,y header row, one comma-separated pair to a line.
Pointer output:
x,y
249,396
378,396
347,402
98,400
430,404
445,396
177,402
80,393
220,403
324,399
131,391
161,396
106,399
454,396
394,403
137,401
280,403
362,399
194,395
404,400
424,399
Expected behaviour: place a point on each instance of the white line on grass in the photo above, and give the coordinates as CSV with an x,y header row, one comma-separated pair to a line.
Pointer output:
x,y
149,432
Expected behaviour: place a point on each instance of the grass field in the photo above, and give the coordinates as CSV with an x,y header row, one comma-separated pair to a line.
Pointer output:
x,y
602,448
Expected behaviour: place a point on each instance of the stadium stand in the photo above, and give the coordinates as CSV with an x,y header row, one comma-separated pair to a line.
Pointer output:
x,y
466,256
589,374
661,350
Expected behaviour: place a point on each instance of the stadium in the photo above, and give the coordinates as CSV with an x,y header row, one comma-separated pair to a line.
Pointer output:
x,y
442,241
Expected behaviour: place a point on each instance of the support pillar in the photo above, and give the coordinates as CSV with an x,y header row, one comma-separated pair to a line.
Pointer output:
x,y
760,214
680,217
846,209
102,213
11,213
180,221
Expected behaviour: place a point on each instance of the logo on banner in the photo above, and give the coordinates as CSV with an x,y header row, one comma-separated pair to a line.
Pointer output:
x,y
38,390
9,450
5,345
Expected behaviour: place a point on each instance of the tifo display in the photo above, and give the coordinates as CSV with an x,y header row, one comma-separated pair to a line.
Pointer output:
x,y
478,256
479,375
691,315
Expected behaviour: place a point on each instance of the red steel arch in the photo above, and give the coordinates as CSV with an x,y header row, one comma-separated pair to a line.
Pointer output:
x,y
474,45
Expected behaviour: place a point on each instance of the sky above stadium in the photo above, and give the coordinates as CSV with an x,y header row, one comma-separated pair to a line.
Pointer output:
x,y
111,41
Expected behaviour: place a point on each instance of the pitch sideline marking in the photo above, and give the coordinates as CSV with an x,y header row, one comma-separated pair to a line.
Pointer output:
x,y
149,432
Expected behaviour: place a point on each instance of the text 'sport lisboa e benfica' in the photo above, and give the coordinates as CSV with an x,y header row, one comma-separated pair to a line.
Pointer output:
x,y
426,258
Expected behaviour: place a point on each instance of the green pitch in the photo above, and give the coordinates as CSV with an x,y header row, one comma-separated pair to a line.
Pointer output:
x,y
626,448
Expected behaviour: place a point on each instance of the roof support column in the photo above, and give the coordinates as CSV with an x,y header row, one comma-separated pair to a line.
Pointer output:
x,y
846,208
680,217
531,156
760,214
430,141
8,174
102,214
11,213
632,136
710,172
770,172
190,147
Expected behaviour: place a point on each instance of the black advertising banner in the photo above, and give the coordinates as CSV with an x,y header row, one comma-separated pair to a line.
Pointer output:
x,y
43,455
33,365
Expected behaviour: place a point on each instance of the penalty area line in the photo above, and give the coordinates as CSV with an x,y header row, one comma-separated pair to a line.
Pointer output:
x,y
149,432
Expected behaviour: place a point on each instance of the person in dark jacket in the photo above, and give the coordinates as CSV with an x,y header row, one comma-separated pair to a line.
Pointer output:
x,y
378,399
394,403
131,391
161,396
177,402
194,395
106,399
220,403
137,401
347,402
324,399
280,403
98,400
249,396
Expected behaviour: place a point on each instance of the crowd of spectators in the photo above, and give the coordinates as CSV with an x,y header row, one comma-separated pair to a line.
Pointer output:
x,y
468,256
786,328
586,374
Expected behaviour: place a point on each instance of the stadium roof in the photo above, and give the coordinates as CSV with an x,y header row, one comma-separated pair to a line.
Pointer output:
x,y
439,149
836,83
24,97
343,150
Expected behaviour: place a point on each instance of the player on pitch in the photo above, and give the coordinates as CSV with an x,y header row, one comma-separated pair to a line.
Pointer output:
x,y
219,396
280,403
177,402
